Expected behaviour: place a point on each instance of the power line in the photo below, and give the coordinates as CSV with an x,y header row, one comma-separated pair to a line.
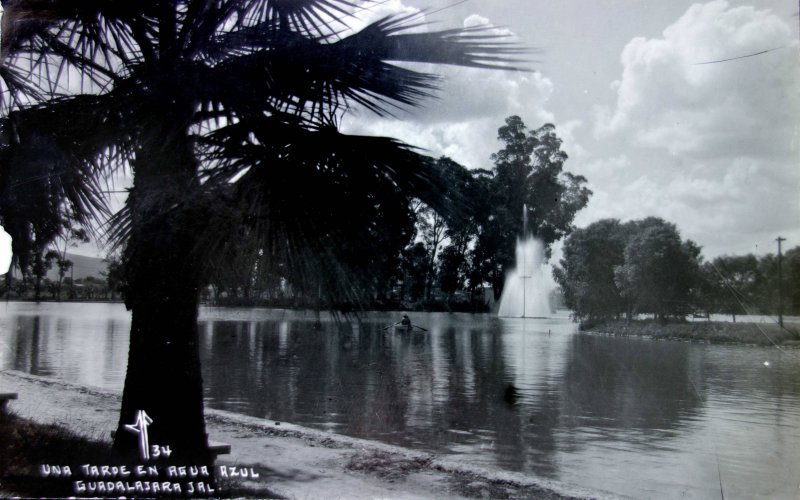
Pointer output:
x,y
744,308
739,57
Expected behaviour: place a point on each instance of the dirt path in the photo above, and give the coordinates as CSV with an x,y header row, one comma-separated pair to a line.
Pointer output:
x,y
292,461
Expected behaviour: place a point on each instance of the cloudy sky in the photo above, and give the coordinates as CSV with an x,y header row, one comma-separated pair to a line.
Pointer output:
x,y
710,147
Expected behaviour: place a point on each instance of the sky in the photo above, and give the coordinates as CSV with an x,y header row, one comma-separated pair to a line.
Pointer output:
x,y
712,148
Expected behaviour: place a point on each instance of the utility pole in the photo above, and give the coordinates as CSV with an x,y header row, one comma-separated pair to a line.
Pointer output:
x,y
780,282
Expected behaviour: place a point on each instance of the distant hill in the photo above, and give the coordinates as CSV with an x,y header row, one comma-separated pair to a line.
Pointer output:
x,y
82,267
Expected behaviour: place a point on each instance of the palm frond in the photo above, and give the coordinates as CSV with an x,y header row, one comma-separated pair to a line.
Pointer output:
x,y
45,170
254,86
321,211
307,16
91,40
389,39
15,90
306,75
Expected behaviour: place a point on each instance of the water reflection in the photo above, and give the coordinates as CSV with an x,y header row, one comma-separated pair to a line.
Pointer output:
x,y
82,343
627,384
635,417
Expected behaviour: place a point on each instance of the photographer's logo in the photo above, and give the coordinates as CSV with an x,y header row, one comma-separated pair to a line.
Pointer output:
x,y
139,427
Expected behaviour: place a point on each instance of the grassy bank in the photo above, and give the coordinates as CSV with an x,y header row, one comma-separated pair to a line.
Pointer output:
x,y
762,334
26,446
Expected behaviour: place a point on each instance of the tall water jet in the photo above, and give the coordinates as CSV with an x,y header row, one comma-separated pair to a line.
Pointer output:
x,y
526,293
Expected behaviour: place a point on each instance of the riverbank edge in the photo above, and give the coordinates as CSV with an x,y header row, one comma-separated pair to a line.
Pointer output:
x,y
421,306
387,471
709,332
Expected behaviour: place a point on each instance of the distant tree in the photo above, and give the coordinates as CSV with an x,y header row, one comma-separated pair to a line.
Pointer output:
x,y
489,257
586,272
431,228
64,266
451,276
529,171
735,280
792,279
707,294
766,290
114,274
643,266
71,235
483,247
415,268
660,271
461,227
39,263
769,288
225,114
528,176
447,233
385,267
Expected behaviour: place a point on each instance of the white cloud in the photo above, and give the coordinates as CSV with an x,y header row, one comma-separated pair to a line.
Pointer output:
x,y
566,131
666,100
711,147
370,12
461,121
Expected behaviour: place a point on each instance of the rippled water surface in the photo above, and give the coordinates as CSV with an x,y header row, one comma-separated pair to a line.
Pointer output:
x,y
633,417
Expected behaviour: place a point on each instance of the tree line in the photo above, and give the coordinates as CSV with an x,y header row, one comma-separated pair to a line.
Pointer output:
x,y
36,282
225,117
612,270
454,256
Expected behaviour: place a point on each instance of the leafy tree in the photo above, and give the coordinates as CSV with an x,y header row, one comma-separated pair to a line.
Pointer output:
x,y
586,273
643,266
660,271
792,279
415,271
223,112
707,295
470,189
114,274
735,279
431,227
769,287
528,174
70,236
64,265
447,234
451,276
766,288
38,265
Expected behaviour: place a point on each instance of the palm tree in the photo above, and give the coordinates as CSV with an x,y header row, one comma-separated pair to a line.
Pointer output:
x,y
224,114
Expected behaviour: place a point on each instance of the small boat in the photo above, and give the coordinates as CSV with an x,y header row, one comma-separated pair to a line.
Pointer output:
x,y
403,328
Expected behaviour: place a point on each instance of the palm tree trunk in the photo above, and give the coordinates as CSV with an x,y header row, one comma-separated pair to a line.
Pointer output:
x,y
163,377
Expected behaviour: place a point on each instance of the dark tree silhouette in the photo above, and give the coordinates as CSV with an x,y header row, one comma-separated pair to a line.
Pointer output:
x,y
224,114
529,175
641,266
586,275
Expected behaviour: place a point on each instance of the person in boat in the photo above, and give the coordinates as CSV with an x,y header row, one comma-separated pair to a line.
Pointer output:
x,y
405,322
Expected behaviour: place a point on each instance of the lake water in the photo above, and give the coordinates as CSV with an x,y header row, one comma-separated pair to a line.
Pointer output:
x,y
633,417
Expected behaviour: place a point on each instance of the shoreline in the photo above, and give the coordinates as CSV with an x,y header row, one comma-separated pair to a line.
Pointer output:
x,y
433,306
708,332
293,461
